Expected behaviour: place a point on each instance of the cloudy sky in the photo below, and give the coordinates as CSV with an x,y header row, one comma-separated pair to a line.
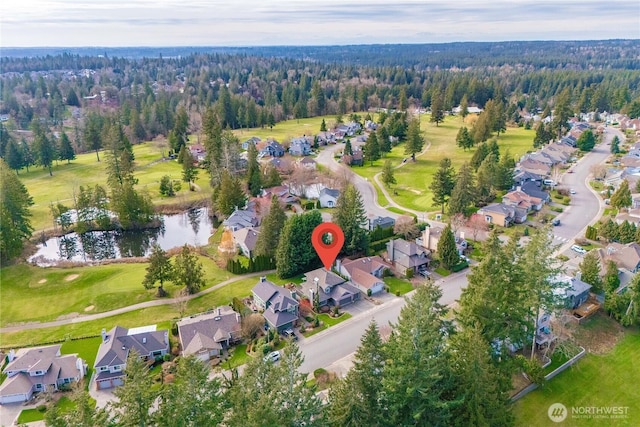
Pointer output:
x,y
310,22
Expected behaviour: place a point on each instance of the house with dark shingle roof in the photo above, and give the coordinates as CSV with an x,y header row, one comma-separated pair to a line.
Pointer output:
x,y
533,189
329,288
116,345
207,335
246,239
32,370
406,255
279,305
241,218
382,222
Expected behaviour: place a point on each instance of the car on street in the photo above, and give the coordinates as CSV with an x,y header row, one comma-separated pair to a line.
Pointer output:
x,y
579,249
572,191
556,221
274,356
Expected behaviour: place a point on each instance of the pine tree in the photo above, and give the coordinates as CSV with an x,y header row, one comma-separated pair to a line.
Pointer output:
x,y
66,150
615,145
136,397
187,271
254,177
351,215
371,148
504,172
272,177
323,126
621,198
417,378
437,109
383,139
84,413
159,269
482,128
348,150
44,148
13,156
15,225
447,250
355,400
586,141
415,141
478,157
590,271
542,136
611,280
72,98
464,106
271,229
463,192
229,194
464,138
486,179
388,177
443,183
295,253
561,113
92,132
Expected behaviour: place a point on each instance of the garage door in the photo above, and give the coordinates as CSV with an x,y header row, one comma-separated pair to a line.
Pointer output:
x,y
14,398
115,382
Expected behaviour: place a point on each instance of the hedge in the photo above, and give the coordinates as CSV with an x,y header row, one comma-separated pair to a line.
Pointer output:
x,y
459,266
256,264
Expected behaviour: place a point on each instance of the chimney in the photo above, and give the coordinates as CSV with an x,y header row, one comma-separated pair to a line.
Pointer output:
x,y
518,188
104,335
579,275
219,311
12,355
461,235
425,237
391,248
144,340
263,278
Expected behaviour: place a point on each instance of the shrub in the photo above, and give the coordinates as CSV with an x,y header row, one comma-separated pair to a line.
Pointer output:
x,y
318,372
41,408
460,266
368,292
397,293
409,273
266,348
526,231
303,329
166,357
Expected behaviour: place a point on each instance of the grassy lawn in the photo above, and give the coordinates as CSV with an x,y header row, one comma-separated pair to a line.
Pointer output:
x,y
42,294
86,171
240,357
314,331
273,277
332,321
596,380
398,285
161,315
442,271
414,178
32,415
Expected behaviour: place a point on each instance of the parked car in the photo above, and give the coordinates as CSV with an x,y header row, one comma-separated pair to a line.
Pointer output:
x,y
274,356
572,191
290,334
579,249
555,221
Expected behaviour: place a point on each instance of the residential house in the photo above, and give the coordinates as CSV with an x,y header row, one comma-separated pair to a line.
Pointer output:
x,y
279,305
272,148
254,140
32,370
520,199
574,291
382,222
198,152
534,189
626,256
282,192
370,126
308,163
300,147
245,239
535,167
356,159
328,288
329,197
209,334
325,138
523,177
241,218
116,345
406,256
365,273
503,215
431,236
281,165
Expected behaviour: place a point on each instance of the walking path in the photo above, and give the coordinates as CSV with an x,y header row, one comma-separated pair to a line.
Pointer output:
x,y
147,304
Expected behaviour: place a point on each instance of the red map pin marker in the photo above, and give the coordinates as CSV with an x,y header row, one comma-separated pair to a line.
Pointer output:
x,y
327,252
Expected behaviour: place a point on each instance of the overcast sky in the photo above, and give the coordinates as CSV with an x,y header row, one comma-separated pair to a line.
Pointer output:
x,y
309,22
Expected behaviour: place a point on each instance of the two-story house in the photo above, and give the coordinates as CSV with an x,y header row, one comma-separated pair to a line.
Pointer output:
x,y
405,256
241,218
32,370
300,147
279,305
208,334
272,148
246,239
503,215
329,197
520,199
328,289
116,345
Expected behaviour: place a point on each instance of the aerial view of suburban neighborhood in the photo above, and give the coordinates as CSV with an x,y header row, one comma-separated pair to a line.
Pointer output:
x,y
243,227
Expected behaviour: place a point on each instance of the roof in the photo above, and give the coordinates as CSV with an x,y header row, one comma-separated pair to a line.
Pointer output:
x,y
115,348
533,189
382,221
368,264
407,248
275,297
18,384
330,192
364,279
499,208
520,198
325,278
33,359
247,236
207,331
242,218
307,160
625,256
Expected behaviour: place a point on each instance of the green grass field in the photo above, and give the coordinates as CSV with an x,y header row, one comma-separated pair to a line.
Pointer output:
x,y
44,294
332,321
87,171
287,129
596,380
398,285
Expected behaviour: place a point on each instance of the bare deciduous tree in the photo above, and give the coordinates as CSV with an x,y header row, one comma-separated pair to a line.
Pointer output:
x,y
251,325
477,224
406,226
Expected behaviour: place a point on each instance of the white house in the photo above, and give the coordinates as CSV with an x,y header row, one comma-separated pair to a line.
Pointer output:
x,y
329,197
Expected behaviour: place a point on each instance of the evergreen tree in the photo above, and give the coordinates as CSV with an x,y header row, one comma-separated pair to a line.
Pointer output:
x,y
189,170
295,253
323,126
383,139
542,137
611,280
483,389
72,98
92,133
229,195
608,230
562,113
621,198
615,145
447,250
463,193
437,109
272,177
271,229
464,106
388,177
84,412
15,226
464,138
135,399
626,232
486,179
44,148
417,378
499,118
187,271
443,183
482,128
504,172
348,150
586,141
371,148
13,156
590,271
254,177
478,157
166,186
415,141
192,399
66,150
355,400
159,269
351,215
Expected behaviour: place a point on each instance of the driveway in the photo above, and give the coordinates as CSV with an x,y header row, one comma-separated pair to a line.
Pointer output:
x,y
9,413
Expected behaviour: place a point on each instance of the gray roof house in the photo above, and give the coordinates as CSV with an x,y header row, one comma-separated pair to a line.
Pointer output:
x,y
116,345
534,189
329,288
524,177
382,222
300,147
245,239
208,334
37,369
329,197
272,148
279,304
241,218
251,141
406,255
574,291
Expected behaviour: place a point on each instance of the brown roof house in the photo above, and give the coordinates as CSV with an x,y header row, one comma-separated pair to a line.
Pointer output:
x,y
503,215
116,345
405,256
329,289
365,273
279,305
207,335
520,199
245,239
37,369
625,256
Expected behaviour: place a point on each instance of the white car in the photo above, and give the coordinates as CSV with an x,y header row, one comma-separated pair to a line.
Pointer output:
x,y
578,249
274,356
572,191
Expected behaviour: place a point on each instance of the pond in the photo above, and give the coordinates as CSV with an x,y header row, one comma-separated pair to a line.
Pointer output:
x,y
193,227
